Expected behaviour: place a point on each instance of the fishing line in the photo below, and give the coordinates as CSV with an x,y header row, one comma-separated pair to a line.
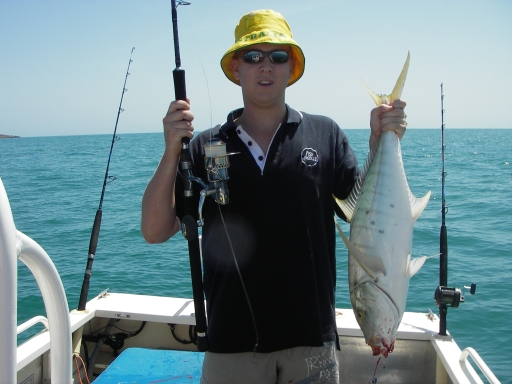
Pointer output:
x,y
253,318
241,281
204,72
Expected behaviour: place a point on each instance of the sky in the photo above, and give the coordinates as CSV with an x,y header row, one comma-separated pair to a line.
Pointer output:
x,y
63,63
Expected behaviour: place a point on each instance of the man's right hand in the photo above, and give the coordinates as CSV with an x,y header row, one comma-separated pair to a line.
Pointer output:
x,y
177,124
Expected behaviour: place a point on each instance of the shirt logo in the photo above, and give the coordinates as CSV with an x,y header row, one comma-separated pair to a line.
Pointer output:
x,y
309,157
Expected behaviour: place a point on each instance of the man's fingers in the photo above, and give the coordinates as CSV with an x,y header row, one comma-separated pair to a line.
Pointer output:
x,y
392,121
399,104
395,124
177,105
395,112
178,111
395,120
381,109
178,116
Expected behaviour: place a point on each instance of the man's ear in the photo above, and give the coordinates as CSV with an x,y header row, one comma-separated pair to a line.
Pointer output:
x,y
293,62
234,67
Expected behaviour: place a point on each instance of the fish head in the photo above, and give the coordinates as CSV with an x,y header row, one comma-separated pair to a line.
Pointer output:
x,y
377,316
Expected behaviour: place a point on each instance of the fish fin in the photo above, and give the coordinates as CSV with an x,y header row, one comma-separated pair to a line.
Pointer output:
x,y
348,206
376,98
399,86
418,205
397,91
416,264
371,265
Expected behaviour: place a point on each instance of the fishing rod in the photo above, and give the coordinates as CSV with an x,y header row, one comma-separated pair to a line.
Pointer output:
x,y
445,296
97,220
443,238
189,225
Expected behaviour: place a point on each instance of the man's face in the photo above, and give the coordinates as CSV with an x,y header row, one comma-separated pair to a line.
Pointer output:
x,y
264,81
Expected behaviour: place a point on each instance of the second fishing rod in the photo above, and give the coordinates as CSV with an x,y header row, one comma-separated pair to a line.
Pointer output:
x,y
445,296
93,243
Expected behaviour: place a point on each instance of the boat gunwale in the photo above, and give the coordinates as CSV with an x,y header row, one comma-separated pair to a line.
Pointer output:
x,y
160,309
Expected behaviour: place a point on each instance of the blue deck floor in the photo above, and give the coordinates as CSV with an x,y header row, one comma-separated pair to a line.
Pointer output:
x,y
144,366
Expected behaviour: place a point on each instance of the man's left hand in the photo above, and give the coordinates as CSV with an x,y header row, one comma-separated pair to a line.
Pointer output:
x,y
387,118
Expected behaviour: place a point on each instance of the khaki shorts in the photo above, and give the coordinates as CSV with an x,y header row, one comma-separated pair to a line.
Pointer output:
x,y
299,365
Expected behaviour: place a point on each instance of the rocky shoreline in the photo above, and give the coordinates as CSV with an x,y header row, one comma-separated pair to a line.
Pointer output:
x,y
8,136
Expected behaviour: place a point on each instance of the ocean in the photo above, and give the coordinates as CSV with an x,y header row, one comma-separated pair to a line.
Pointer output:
x,y
54,186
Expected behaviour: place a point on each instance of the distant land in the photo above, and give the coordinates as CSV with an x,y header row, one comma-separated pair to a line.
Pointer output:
x,y
2,136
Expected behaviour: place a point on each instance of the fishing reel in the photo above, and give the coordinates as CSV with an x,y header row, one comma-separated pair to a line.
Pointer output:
x,y
452,296
216,163
448,296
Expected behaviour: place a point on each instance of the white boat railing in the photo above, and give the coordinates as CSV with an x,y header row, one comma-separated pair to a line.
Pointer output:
x,y
463,361
16,245
33,321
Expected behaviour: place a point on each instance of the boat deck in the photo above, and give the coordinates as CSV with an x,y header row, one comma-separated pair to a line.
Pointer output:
x,y
420,355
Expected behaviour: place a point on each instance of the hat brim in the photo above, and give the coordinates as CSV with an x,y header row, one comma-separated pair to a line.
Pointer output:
x,y
298,57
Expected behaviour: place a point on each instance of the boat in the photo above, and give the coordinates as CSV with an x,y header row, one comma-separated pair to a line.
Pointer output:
x,y
129,338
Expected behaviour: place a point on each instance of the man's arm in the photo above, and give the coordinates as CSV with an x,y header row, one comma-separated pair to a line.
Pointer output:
x,y
159,222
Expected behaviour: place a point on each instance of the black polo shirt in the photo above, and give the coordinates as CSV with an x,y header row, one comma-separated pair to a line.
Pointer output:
x,y
279,225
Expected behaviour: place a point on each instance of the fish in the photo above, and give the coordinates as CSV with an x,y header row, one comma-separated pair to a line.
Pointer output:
x,y
381,210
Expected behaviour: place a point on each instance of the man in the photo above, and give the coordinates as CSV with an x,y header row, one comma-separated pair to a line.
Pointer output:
x,y
269,255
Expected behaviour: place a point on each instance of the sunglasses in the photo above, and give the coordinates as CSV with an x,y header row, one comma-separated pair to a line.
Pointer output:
x,y
256,57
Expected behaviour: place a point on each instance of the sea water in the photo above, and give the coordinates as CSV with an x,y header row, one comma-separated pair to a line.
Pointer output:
x,y
54,186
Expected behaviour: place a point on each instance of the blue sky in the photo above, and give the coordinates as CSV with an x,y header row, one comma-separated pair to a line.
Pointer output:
x,y
63,63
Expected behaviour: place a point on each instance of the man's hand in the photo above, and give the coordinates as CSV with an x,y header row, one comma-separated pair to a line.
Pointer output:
x,y
387,118
177,124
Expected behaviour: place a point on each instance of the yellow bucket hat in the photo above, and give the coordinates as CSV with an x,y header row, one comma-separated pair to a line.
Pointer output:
x,y
263,27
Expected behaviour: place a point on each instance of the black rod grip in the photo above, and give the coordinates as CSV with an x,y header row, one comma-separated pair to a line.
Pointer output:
x,y
191,234
180,90
443,259
93,243
85,288
197,285
443,311
443,276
